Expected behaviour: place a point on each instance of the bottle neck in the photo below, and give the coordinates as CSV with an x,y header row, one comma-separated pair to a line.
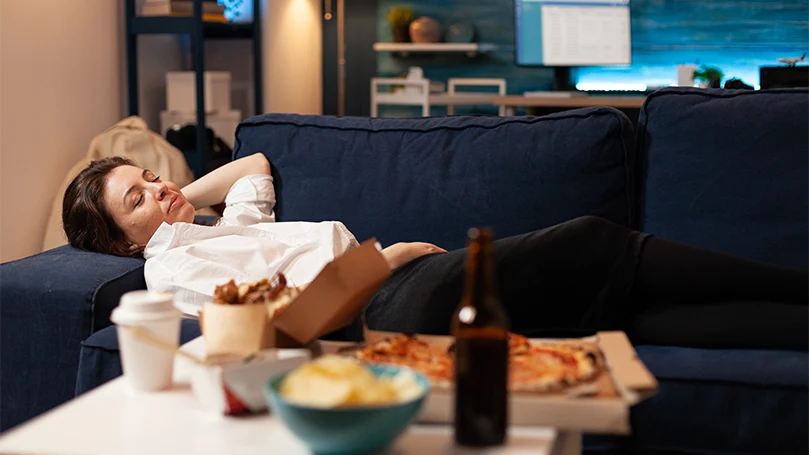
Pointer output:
x,y
479,274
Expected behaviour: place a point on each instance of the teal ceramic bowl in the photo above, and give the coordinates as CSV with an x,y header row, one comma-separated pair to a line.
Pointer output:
x,y
344,431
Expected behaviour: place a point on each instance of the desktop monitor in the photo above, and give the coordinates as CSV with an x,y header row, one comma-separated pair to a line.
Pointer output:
x,y
572,32
783,76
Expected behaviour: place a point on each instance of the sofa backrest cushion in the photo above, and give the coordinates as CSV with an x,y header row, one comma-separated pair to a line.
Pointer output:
x,y
430,179
728,170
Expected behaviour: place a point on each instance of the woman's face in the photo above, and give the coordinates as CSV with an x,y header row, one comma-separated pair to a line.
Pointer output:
x,y
139,202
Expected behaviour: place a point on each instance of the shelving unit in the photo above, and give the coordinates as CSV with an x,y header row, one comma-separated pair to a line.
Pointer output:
x,y
198,30
404,49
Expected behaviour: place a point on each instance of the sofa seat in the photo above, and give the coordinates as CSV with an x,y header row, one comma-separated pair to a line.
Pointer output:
x,y
760,397
99,360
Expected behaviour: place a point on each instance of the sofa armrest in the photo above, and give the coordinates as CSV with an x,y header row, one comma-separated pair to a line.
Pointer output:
x,y
49,304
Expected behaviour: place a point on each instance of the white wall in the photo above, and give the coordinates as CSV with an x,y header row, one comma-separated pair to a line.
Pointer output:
x,y
293,56
60,85
63,81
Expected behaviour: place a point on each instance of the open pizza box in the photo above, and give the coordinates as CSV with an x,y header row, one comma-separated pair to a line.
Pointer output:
x,y
601,406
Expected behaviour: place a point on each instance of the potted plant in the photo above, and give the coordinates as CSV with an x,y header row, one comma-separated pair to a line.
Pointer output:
x,y
399,18
711,75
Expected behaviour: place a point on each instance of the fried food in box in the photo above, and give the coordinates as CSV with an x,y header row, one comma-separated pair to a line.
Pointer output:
x,y
276,294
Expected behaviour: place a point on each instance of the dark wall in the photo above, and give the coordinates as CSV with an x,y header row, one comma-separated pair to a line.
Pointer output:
x,y
360,66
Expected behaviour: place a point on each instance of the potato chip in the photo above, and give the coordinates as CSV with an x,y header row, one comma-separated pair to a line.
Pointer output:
x,y
333,381
307,387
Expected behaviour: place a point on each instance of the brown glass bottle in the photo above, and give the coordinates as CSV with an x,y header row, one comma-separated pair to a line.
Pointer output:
x,y
480,328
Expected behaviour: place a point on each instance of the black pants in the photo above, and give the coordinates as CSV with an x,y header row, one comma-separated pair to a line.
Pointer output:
x,y
589,274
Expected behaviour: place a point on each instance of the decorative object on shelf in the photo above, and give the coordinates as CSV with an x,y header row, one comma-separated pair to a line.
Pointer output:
x,y
414,73
460,32
425,30
239,11
400,18
737,84
178,8
685,75
710,75
792,61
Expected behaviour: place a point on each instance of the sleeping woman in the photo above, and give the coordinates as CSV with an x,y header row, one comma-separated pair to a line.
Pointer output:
x,y
574,278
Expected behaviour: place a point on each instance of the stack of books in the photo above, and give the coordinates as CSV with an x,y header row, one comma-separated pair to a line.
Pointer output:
x,y
211,11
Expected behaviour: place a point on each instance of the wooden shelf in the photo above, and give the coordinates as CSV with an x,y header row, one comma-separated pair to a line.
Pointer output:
x,y
470,49
187,25
199,27
511,101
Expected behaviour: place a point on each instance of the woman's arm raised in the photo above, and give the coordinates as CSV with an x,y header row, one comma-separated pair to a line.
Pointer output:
x,y
212,188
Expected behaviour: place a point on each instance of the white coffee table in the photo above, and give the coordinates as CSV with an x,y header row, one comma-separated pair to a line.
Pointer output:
x,y
115,419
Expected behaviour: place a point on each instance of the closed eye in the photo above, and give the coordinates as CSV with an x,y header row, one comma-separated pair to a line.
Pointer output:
x,y
140,198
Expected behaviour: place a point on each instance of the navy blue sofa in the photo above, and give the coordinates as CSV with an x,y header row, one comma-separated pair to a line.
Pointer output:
x,y
720,169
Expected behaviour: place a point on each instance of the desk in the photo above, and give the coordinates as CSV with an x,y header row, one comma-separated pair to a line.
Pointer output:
x,y
432,99
510,102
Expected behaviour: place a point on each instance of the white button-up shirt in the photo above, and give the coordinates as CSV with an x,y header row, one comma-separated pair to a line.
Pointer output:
x,y
246,245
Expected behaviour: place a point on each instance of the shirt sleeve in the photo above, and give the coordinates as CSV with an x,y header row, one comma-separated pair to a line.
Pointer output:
x,y
251,200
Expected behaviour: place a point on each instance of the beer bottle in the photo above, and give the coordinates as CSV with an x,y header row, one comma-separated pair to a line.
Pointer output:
x,y
480,328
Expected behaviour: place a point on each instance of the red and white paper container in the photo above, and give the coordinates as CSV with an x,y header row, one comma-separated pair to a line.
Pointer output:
x,y
237,387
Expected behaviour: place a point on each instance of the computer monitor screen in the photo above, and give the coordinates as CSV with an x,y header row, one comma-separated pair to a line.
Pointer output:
x,y
572,32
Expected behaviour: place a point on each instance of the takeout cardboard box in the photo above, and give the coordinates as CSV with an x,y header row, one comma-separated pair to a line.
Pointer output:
x,y
624,383
335,297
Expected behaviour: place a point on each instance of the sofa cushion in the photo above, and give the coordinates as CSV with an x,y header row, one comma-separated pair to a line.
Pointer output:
x,y
760,397
50,303
430,179
716,402
727,170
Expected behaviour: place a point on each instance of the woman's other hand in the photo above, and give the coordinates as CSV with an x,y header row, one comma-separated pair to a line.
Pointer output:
x,y
401,253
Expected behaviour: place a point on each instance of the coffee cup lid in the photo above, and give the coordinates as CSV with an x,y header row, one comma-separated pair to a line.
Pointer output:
x,y
144,304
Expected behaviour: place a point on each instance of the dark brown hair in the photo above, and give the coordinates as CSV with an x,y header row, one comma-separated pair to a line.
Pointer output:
x,y
85,218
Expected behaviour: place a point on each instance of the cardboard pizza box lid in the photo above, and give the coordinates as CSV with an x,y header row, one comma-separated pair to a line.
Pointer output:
x,y
625,366
336,296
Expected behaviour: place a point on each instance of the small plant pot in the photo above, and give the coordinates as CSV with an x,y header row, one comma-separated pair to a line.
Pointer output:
x,y
400,34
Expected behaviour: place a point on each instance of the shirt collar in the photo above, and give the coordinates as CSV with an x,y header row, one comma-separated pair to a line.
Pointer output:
x,y
160,241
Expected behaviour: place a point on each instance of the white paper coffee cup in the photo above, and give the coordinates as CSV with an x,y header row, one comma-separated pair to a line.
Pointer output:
x,y
147,367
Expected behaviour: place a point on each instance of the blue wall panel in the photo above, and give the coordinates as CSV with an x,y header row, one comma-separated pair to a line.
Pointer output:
x,y
736,35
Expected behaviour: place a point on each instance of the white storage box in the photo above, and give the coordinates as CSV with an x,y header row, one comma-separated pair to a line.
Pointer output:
x,y
222,123
181,95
